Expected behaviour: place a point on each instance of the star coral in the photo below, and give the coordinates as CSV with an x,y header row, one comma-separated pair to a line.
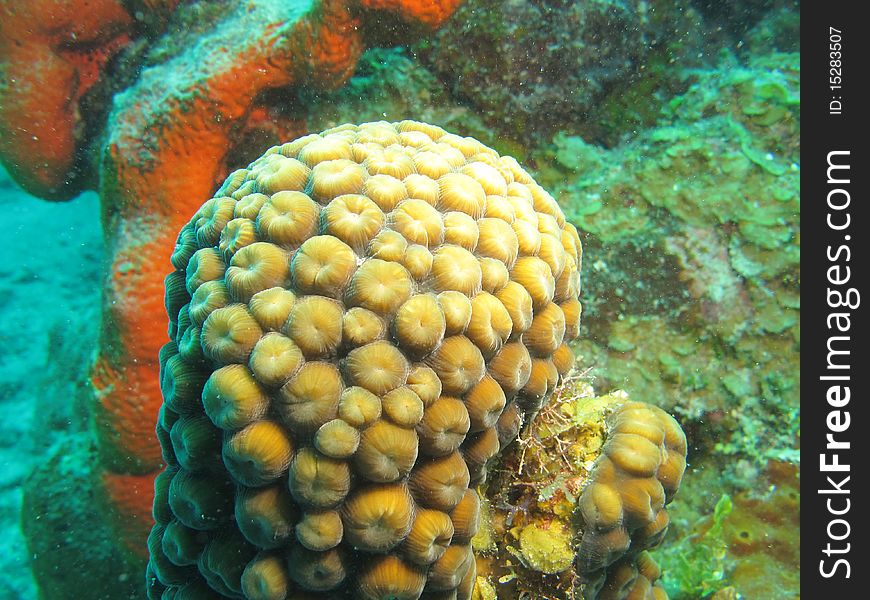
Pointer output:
x,y
393,493
384,443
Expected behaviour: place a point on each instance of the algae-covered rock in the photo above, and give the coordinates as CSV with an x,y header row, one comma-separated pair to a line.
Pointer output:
x,y
531,67
694,229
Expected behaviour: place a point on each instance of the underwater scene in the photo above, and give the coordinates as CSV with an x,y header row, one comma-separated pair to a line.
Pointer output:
x,y
400,299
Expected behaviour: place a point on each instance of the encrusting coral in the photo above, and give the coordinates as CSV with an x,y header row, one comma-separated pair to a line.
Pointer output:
x,y
378,426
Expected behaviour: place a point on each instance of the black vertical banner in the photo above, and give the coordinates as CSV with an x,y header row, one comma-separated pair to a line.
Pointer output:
x,y
835,267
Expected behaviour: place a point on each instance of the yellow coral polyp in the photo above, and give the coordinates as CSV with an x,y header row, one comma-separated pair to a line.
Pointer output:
x,y
425,383
443,427
270,308
458,363
498,207
229,334
233,398
456,307
389,577
419,324
624,503
379,132
320,530
248,207
456,269
462,193
236,235
429,537
484,404
379,286
414,139
489,178
461,230
258,454
254,268
403,407
418,222
323,265
388,245
552,253
315,326
423,188
386,452
431,164
477,450
288,218
360,326
528,237
448,571
450,153
206,264
490,324
333,178
208,297
266,515
378,518
385,190
466,517
392,161
310,398
323,149
358,407
563,359
282,174
378,367
511,367
354,219
418,260
494,275
210,219
318,481
337,439
534,275
440,482
275,359
265,578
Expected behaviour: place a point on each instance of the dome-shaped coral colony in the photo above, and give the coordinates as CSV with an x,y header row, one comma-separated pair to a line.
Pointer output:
x,y
361,320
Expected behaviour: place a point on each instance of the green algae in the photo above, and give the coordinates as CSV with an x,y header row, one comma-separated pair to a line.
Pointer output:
x,y
712,324
696,566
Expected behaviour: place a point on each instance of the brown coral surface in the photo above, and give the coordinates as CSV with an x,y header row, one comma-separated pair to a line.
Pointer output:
x,y
365,317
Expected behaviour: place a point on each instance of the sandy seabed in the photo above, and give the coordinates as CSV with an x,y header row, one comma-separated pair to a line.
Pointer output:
x,y
50,279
